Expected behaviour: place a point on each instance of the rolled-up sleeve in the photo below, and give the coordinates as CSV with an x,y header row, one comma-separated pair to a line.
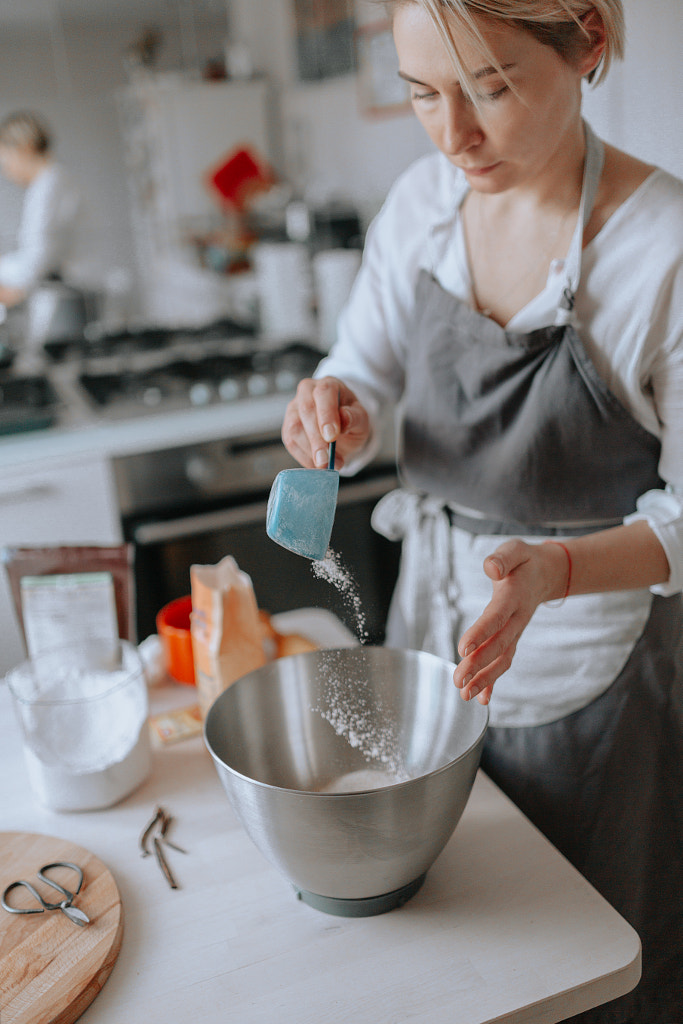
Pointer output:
x,y
663,512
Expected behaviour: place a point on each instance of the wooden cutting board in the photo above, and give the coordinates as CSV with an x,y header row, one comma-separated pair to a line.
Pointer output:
x,y
50,968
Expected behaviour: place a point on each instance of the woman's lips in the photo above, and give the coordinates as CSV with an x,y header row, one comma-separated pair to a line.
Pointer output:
x,y
478,172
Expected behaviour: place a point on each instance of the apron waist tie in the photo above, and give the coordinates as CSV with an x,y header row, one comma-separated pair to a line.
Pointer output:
x,y
425,599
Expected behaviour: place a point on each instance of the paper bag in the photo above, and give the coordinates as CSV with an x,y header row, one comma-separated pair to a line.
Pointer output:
x,y
227,637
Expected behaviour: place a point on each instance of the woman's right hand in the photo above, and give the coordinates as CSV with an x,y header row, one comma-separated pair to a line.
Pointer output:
x,y
324,410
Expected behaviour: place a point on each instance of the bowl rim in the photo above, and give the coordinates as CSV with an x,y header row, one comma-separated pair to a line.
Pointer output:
x,y
309,655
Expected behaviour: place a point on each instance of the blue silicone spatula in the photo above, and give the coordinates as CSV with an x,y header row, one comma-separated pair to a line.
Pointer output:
x,y
301,509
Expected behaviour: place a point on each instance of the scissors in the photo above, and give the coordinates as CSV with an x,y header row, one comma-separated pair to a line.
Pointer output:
x,y
65,905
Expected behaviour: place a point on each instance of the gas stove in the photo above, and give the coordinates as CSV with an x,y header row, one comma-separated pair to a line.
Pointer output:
x,y
135,373
27,402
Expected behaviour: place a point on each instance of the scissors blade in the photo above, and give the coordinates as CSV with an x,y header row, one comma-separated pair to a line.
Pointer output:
x,y
75,915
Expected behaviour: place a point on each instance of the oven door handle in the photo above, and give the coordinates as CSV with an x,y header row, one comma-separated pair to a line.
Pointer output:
x,y
163,531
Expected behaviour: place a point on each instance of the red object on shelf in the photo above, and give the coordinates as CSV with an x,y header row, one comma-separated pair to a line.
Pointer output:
x,y
238,177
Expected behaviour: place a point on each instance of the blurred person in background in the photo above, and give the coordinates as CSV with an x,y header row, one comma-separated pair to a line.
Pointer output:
x,y
36,275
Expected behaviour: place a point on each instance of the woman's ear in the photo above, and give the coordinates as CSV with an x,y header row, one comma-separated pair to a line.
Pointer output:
x,y
595,40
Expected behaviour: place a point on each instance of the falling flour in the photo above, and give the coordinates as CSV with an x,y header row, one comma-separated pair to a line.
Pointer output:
x,y
363,724
333,571
344,706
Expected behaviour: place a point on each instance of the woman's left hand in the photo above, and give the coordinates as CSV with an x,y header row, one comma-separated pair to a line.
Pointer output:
x,y
524,575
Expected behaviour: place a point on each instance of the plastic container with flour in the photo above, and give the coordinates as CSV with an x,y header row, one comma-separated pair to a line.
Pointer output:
x,y
82,709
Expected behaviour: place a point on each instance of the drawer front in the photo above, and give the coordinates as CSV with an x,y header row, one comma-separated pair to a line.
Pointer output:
x,y
68,504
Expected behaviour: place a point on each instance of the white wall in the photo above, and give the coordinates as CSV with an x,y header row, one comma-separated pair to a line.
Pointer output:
x,y
639,108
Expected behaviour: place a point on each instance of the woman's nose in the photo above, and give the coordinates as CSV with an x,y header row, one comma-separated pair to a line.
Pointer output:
x,y
461,129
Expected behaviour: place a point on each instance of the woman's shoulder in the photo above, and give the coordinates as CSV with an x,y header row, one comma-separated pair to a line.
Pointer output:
x,y
637,196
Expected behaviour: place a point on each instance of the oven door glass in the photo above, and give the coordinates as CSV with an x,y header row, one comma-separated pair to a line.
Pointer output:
x,y
166,548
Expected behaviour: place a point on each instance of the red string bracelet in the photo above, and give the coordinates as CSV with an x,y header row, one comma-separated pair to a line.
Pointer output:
x,y
569,565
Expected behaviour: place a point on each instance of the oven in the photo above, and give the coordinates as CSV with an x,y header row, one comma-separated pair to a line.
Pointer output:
x,y
198,503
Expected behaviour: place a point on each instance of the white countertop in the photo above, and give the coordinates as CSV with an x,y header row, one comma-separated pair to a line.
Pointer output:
x,y
503,929
93,436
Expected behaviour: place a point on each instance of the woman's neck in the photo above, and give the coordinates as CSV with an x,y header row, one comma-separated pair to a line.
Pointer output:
x,y
553,191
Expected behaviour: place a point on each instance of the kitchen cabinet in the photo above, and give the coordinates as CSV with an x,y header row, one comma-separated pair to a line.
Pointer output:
x,y
51,503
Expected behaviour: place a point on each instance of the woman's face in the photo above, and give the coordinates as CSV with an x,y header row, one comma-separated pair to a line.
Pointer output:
x,y
17,163
511,138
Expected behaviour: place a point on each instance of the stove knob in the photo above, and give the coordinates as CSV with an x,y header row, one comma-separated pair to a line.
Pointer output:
x,y
200,394
285,380
151,396
200,470
229,389
257,384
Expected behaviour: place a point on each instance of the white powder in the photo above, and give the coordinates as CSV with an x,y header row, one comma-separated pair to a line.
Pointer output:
x,y
63,790
365,728
333,571
85,721
86,738
362,779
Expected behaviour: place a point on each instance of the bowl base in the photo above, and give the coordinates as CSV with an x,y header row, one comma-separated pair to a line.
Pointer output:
x,y
367,907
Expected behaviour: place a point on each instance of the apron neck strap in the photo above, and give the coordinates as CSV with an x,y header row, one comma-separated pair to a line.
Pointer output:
x,y
592,171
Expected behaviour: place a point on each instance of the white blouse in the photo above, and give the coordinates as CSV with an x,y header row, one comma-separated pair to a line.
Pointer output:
x,y
629,314
48,230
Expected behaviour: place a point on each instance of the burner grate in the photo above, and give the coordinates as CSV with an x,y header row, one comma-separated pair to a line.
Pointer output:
x,y
212,377
27,403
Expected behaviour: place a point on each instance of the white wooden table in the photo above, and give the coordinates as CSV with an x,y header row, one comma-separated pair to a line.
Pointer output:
x,y
503,929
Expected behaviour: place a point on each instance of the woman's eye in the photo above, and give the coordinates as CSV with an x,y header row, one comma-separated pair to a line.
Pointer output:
x,y
423,95
496,94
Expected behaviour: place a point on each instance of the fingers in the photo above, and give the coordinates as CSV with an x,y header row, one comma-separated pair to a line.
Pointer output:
x,y
487,648
319,411
322,411
509,567
491,623
312,421
479,670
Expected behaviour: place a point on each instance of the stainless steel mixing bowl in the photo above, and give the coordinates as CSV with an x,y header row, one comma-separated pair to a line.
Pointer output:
x,y
284,737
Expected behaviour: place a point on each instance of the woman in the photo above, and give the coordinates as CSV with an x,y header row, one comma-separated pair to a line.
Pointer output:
x,y
48,234
521,299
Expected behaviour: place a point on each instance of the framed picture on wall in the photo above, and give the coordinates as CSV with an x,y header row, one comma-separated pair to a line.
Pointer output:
x,y
381,91
325,38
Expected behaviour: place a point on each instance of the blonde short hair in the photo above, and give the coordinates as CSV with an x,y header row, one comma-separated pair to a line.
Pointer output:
x,y
556,23
25,129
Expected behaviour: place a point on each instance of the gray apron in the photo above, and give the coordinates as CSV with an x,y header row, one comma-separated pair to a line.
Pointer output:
x,y
517,434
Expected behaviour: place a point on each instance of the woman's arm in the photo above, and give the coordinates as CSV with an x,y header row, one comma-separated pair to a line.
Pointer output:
x,y
526,575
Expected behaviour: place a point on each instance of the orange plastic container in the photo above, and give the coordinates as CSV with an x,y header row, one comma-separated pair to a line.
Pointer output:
x,y
173,626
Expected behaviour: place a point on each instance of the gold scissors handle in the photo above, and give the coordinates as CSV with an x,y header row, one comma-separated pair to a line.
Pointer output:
x,y
65,905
